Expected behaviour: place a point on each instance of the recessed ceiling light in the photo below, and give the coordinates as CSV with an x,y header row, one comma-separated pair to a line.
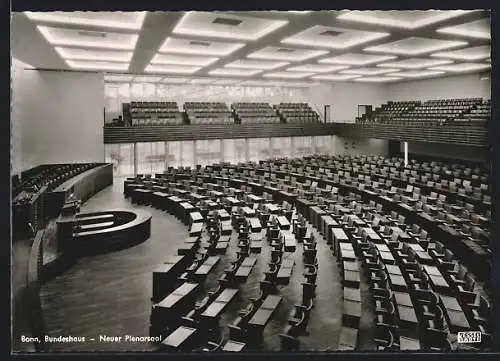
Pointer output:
x,y
202,81
172,59
468,54
193,47
335,77
78,38
409,19
317,68
415,63
462,67
234,72
299,12
417,74
98,55
315,37
378,79
480,29
287,75
97,65
285,54
415,46
195,23
173,69
147,79
226,81
357,59
105,19
256,64
368,71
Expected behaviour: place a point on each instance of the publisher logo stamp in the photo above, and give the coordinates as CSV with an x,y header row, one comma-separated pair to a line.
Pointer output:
x,y
469,337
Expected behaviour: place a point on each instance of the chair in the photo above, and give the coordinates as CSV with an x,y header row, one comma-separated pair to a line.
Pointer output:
x,y
212,346
384,339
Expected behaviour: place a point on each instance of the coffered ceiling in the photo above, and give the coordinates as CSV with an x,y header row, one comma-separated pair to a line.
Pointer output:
x,y
257,47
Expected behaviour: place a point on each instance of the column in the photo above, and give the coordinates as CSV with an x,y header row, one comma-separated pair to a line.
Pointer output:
x,y
135,159
406,153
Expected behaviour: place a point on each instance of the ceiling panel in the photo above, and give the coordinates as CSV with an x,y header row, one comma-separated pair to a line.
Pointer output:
x,y
287,75
174,59
317,68
103,19
475,29
234,72
417,73
332,37
369,71
90,39
94,54
462,67
256,45
415,63
410,19
256,64
378,79
172,69
199,47
97,65
415,46
468,54
227,26
357,59
335,77
286,54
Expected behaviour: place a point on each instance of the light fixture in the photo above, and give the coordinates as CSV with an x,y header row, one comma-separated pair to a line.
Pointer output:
x,y
369,71
317,68
234,72
415,63
192,22
106,19
377,79
285,54
335,77
417,74
256,64
97,65
287,75
467,54
173,80
357,59
173,69
97,55
408,19
71,37
462,67
173,59
198,47
415,46
476,29
316,36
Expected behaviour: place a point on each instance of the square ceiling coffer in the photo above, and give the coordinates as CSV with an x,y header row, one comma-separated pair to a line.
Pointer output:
x,y
331,33
95,34
199,43
227,21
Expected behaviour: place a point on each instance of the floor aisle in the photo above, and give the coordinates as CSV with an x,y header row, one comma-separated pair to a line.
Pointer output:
x,y
110,294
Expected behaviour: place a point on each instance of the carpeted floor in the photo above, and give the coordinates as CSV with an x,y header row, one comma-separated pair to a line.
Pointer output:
x,y
110,294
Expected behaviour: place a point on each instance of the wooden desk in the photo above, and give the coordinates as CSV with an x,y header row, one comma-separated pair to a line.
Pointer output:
x,y
387,258
398,283
403,299
271,302
283,222
352,294
338,236
407,316
350,266
179,337
406,343
255,225
233,346
393,269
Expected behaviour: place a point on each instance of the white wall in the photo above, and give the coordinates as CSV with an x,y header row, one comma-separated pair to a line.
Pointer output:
x,y
464,86
344,98
360,146
60,117
17,75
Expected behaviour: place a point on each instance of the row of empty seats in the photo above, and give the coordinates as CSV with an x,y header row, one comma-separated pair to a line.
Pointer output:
x,y
167,113
443,111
